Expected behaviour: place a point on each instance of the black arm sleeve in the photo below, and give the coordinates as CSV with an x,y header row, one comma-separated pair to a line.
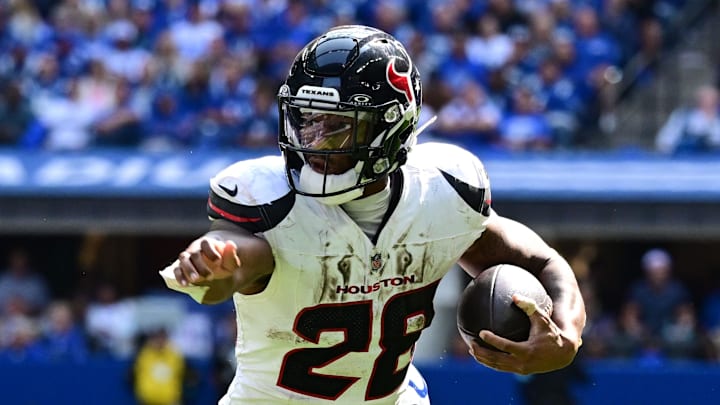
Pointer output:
x,y
253,218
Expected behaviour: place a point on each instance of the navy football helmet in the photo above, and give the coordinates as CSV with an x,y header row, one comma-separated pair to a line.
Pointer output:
x,y
352,95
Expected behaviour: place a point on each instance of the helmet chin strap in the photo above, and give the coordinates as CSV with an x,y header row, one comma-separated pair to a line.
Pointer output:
x,y
311,182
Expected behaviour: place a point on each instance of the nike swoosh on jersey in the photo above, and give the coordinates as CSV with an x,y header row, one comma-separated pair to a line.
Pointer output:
x,y
232,192
421,392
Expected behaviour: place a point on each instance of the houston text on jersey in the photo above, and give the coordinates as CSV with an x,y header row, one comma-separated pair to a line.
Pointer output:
x,y
384,283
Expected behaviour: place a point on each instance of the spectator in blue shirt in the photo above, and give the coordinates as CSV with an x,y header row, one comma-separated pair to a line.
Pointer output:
x,y
594,45
629,337
470,118
240,28
169,125
525,127
147,23
63,339
232,87
20,280
389,15
564,51
44,78
618,20
19,341
14,61
561,101
683,338
507,14
121,125
658,294
15,114
70,50
457,68
261,127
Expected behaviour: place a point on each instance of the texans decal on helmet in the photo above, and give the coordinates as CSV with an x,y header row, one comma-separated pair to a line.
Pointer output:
x,y
400,81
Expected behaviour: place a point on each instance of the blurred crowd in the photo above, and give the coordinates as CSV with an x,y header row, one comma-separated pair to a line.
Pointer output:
x,y
658,320
161,334
168,74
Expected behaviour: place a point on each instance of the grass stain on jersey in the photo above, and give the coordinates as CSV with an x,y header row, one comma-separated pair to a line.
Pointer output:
x,y
281,335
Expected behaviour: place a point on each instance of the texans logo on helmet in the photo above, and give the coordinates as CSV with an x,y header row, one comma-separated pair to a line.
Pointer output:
x,y
400,81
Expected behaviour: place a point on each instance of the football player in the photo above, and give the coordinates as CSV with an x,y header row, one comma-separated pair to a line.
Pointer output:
x,y
333,251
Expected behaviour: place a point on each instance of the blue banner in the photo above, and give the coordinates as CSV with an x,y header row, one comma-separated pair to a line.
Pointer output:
x,y
111,173
604,177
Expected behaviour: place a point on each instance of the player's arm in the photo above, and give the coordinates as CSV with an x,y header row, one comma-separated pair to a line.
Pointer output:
x,y
227,259
554,341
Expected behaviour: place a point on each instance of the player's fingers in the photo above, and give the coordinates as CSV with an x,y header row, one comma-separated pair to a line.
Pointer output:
x,y
481,354
185,272
179,275
201,266
500,343
487,363
209,249
230,259
506,362
491,358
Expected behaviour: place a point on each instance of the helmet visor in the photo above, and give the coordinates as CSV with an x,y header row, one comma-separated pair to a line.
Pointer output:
x,y
310,129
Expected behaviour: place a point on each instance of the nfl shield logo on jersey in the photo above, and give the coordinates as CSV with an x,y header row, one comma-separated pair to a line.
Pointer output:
x,y
376,261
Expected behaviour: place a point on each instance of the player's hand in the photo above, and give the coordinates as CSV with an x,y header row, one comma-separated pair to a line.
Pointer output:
x,y
545,350
205,260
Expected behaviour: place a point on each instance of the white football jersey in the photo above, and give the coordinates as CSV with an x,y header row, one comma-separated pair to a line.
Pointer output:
x,y
341,313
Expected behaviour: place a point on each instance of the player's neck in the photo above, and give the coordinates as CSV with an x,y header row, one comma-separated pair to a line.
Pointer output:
x,y
368,211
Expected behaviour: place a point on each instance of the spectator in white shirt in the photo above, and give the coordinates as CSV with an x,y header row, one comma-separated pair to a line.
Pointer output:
x,y
122,58
470,118
194,35
111,323
694,129
491,48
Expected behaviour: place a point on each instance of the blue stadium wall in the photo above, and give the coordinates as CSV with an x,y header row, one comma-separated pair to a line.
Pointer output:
x,y
452,383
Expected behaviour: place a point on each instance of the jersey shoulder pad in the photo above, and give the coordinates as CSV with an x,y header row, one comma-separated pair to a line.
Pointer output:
x,y
253,194
461,169
253,181
451,159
